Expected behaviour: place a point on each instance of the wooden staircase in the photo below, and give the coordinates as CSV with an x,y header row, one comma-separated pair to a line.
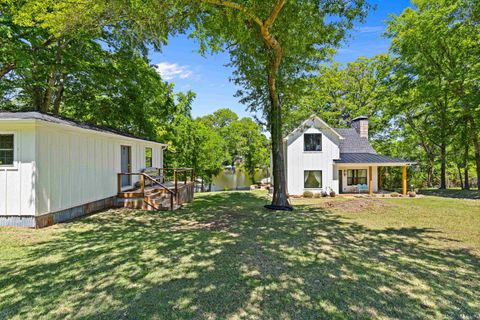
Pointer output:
x,y
153,195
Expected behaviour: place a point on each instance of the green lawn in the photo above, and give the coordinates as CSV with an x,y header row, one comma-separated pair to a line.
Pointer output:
x,y
225,257
452,193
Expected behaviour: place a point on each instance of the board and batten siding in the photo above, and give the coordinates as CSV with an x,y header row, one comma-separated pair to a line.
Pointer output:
x,y
77,166
299,160
17,182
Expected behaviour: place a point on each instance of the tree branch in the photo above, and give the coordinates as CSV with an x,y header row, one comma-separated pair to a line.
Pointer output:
x,y
236,6
274,14
6,69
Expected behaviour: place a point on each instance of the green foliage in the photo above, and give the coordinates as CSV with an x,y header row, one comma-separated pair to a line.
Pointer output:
x,y
242,140
338,93
436,80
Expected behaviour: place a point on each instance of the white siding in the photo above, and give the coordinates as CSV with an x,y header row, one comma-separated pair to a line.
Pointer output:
x,y
17,183
76,166
299,160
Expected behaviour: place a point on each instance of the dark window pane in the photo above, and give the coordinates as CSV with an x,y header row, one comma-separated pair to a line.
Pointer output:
x,y
148,157
355,177
362,173
6,141
312,179
312,142
6,157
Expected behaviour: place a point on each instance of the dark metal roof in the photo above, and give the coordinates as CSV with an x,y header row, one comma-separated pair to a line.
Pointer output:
x,y
368,158
353,143
34,115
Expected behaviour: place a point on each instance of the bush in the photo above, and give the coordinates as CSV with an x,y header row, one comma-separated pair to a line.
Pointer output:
x,y
308,194
395,195
332,194
412,194
317,195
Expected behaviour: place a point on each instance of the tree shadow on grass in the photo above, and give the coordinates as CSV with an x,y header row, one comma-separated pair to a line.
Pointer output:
x,y
227,257
452,193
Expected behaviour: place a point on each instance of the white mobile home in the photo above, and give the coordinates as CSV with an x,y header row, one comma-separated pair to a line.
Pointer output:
x,y
53,169
320,158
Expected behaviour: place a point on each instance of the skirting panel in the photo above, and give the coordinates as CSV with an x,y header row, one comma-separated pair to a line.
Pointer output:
x,y
56,217
17,221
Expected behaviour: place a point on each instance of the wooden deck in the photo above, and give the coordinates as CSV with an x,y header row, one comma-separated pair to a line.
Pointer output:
x,y
154,194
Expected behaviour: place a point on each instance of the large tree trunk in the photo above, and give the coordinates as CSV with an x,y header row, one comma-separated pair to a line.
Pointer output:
x,y
59,94
279,182
280,198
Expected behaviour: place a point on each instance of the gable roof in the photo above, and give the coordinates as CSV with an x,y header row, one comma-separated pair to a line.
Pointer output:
x,y
305,125
353,143
34,115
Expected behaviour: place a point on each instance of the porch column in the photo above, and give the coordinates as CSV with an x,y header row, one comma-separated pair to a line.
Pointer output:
x,y
404,180
370,181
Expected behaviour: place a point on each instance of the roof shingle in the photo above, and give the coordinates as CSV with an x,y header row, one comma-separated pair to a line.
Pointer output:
x,y
353,143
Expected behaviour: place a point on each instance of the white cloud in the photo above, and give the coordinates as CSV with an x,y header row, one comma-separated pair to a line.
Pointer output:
x,y
372,29
170,71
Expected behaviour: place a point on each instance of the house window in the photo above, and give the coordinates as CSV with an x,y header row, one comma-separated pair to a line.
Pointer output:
x,y
312,142
148,158
312,179
6,149
355,177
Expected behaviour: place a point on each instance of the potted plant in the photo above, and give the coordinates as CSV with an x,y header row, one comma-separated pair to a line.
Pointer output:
x,y
332,193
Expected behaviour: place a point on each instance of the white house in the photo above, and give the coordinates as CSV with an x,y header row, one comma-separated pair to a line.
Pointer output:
x,y
321,158
53,169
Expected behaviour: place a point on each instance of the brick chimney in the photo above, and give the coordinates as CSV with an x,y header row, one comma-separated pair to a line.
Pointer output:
x,y
360,124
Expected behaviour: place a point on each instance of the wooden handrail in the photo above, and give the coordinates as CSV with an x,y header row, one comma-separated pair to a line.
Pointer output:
x,y
157,182
177,188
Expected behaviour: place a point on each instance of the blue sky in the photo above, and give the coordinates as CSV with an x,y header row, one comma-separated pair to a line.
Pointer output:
x,y
208,76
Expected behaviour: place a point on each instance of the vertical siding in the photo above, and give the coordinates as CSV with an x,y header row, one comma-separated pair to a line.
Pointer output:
x,y
17,184
298,160
80,166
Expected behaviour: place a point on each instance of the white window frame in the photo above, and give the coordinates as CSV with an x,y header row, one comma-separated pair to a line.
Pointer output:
x,y
15,150
316,188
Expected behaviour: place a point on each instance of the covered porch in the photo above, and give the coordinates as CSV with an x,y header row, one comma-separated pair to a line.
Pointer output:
x,y
361,173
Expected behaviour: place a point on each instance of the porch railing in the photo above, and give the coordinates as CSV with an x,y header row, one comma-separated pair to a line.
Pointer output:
x,y
182,189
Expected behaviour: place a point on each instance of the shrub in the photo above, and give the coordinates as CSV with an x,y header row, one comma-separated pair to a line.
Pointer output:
x,y
412,194
394,194
308,194
332,194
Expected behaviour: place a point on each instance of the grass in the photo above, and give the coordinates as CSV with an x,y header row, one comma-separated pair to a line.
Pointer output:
x,y
452,193
225,257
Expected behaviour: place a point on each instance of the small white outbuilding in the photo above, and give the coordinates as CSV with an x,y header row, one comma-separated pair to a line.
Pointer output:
x,y
53,169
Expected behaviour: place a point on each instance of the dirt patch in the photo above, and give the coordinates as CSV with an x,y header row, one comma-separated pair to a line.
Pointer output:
x,y
355,205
